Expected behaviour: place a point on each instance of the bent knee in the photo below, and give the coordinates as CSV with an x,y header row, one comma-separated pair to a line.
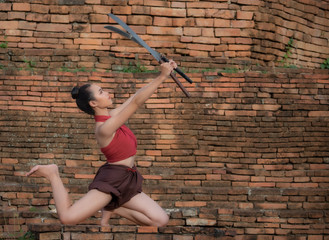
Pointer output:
x,y
161,221
68,220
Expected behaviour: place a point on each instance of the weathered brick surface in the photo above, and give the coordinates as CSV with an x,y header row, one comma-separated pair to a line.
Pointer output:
x,y
223,33
247,154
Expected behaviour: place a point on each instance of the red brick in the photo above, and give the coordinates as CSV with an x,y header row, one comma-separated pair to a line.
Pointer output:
x,y
59,18
190,204
222,23
318,113
178,4
157,3
153,153
244,15
242,24
246,205
8,24
201,47
204,22
315,237
163,21
141,10
271,205
318,166
262,184
25,7
308,185
154,177
84,176
200,222
319,179
265,107
181,237
196,12
192,31
215,13
236,177
249,2
186,22
114,2
27,25
39,202
9,195
204,237
294,226
224,32
83,9
39,8
46,155
88,236
87,41
169,12
102,9
213,177
24,195
164,31
240,113
140,20
50,27
16,15
37,17
147,229
239,48
59,9
5,7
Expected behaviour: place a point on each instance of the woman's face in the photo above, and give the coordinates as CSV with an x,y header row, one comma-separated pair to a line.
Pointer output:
x,y
102,98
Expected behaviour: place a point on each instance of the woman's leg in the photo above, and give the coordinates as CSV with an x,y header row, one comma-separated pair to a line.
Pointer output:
x,y
81,209
131,215
143,210
106,215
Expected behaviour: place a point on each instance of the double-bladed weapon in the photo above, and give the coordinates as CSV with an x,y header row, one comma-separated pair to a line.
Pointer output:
x,y
130,34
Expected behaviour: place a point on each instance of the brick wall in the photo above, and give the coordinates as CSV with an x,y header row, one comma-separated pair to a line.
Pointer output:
x,y
247,155
55,34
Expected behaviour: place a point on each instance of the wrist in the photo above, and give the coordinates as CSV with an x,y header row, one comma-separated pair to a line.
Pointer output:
x,y
162,76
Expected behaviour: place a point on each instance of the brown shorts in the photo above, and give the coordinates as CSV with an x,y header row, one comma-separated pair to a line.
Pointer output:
x,y
122,182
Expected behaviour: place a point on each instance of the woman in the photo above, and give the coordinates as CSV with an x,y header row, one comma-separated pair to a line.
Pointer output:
x,y
116,187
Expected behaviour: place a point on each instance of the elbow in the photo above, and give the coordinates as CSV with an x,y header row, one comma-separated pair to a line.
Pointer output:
x,y
138,101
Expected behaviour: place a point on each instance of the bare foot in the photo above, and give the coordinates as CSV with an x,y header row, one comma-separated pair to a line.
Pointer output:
x,y
106,215
46,171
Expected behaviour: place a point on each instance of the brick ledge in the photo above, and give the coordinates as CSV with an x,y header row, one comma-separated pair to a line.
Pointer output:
x,y
57,231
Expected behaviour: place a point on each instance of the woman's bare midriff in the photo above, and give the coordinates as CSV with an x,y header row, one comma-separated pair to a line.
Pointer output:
x,y
129,162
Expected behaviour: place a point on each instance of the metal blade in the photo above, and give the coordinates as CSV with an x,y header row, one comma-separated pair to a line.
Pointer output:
x,y
140,41
122,33
133,36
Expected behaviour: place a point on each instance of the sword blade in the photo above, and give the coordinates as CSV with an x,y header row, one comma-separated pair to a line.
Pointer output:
x,y
122,33
132,35
140,41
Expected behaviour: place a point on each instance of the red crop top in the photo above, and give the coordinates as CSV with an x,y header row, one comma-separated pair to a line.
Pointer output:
x,y
123,144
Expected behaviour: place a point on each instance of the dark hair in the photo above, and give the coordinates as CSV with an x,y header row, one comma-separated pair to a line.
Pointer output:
x,y
83,96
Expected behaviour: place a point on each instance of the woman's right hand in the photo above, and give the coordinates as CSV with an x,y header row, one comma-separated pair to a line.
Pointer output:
x,y
167,68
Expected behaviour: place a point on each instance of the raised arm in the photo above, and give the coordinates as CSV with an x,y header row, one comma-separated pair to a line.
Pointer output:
x,y
121,114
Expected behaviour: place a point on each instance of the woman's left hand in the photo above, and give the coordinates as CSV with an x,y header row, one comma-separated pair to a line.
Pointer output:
x,y
168,67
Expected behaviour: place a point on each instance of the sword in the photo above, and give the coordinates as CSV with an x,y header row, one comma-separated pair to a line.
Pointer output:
x,y
130,34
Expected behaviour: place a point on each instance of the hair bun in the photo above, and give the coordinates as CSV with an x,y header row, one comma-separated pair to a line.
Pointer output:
x,y
75,92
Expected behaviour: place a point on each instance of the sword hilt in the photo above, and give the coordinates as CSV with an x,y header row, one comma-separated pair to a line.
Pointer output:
x,y
180,72
180,85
